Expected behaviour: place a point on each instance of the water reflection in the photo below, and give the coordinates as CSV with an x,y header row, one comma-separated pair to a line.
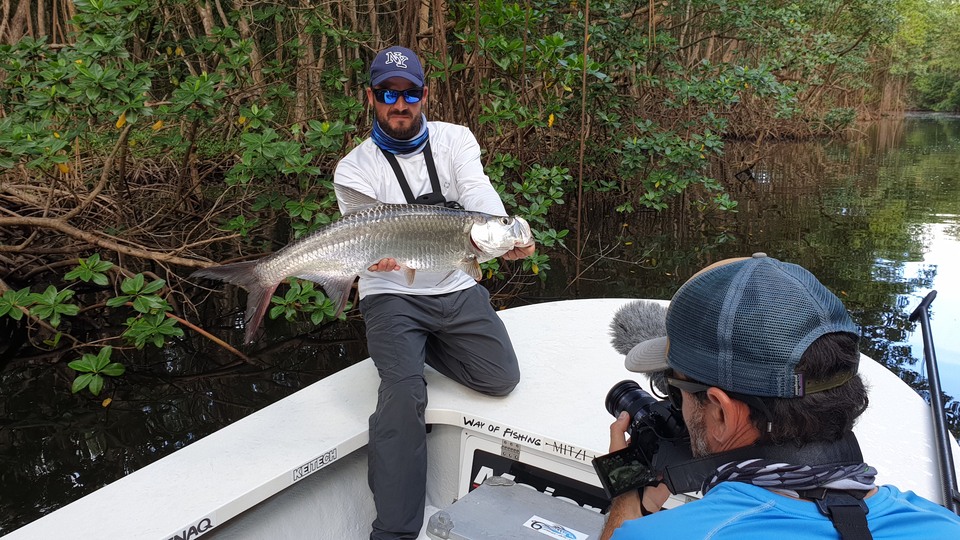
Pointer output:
x,y
874,217
56,447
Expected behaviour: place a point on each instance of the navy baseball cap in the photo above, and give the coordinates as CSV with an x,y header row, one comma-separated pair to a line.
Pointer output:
x,y
396,62
743,324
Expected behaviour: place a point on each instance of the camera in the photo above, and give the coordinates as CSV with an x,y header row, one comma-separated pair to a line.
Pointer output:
x,y
658,437
650,418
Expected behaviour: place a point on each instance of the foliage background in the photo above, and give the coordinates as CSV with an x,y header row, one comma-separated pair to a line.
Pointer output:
x,y
142,140
158,131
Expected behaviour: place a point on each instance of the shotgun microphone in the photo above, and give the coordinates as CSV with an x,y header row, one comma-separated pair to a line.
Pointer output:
x,y
639,321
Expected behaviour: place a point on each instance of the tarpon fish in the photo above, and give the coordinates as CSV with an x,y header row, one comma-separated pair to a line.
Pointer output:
x,y
420,237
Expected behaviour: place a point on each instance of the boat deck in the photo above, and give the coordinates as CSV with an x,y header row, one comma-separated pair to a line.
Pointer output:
x,y
568,365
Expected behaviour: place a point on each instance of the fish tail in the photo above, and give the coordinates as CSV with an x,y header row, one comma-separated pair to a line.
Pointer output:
x,y
258,300
240,273
258,294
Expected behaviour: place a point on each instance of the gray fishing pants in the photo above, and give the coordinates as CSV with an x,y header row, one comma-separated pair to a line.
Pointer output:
x,y
458,334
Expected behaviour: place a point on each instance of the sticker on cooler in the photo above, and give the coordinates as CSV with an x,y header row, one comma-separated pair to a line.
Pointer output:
x,y
553,530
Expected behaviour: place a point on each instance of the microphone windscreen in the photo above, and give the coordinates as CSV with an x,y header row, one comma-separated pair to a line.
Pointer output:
x,y
637,321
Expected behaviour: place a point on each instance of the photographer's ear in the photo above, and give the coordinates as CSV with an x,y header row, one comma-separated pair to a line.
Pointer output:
x,y
727,422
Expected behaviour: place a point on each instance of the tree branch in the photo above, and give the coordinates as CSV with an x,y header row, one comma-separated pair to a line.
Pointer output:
x,y
97,240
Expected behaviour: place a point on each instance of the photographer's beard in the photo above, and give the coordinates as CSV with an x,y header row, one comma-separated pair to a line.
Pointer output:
x,y
698,431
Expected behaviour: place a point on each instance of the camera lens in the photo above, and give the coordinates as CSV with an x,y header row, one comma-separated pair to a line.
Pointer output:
x,y
628,396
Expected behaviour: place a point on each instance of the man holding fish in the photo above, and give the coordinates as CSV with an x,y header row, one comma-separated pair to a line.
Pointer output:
x,y
441,318
419,216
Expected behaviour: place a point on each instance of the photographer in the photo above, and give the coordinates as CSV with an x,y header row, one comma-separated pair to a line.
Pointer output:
x,y
759,354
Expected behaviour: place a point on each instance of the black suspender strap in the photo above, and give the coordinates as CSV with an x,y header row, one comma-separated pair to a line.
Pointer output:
x,y
432,170
845,509
392,159
431,198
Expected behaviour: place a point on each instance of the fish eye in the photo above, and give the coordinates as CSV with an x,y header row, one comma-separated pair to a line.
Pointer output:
x,y
505,220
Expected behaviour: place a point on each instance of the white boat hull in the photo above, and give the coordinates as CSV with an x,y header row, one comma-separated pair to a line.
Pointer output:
x,y
297,469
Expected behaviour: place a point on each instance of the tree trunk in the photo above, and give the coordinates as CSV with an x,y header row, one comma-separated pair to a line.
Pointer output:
x,y
4,17
375,39
305,62
41,18
19,24
256,58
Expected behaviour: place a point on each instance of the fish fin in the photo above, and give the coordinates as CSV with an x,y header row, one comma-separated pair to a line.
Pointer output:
x,y
339,292
258,295
472,268
410,274
258,300
240,273
336,289
352,200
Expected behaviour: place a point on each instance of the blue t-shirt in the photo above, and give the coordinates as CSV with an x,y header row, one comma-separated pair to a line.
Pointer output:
x,y
745,512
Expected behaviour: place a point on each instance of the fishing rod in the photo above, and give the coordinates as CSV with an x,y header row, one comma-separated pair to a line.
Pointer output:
x,y
948,477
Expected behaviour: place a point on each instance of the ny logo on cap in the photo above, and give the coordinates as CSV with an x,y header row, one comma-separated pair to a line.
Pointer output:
x,y
396,57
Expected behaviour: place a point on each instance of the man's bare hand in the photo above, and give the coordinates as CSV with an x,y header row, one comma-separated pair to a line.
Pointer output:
x,y
384,265
618,432
520,252
653,496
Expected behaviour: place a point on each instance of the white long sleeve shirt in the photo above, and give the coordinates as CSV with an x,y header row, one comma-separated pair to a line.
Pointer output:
x,y
456,154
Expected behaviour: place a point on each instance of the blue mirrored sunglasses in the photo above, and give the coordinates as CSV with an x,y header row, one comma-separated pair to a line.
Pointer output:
x,y
410,95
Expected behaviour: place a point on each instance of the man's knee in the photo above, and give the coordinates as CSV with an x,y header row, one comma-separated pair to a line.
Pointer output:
x,y
502,386
412,388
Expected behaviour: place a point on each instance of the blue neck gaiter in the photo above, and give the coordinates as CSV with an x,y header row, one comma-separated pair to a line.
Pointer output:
x,y
397,146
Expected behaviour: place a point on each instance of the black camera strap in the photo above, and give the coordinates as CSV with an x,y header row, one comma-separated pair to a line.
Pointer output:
x,y
684,474
845,508
436,197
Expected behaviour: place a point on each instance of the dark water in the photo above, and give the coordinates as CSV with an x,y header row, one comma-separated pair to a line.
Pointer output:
x,y
874,217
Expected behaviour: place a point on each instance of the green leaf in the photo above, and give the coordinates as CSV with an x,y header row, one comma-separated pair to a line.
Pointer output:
x,y
153,287
101,360
41,311
11,301
118,301
114,369
81,382
78,273
132,285
85,364
67,309
55,342
96,384
143,305
90,269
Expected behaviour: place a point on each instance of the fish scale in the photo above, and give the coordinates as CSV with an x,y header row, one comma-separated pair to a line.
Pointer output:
x,y
359,240
418,237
